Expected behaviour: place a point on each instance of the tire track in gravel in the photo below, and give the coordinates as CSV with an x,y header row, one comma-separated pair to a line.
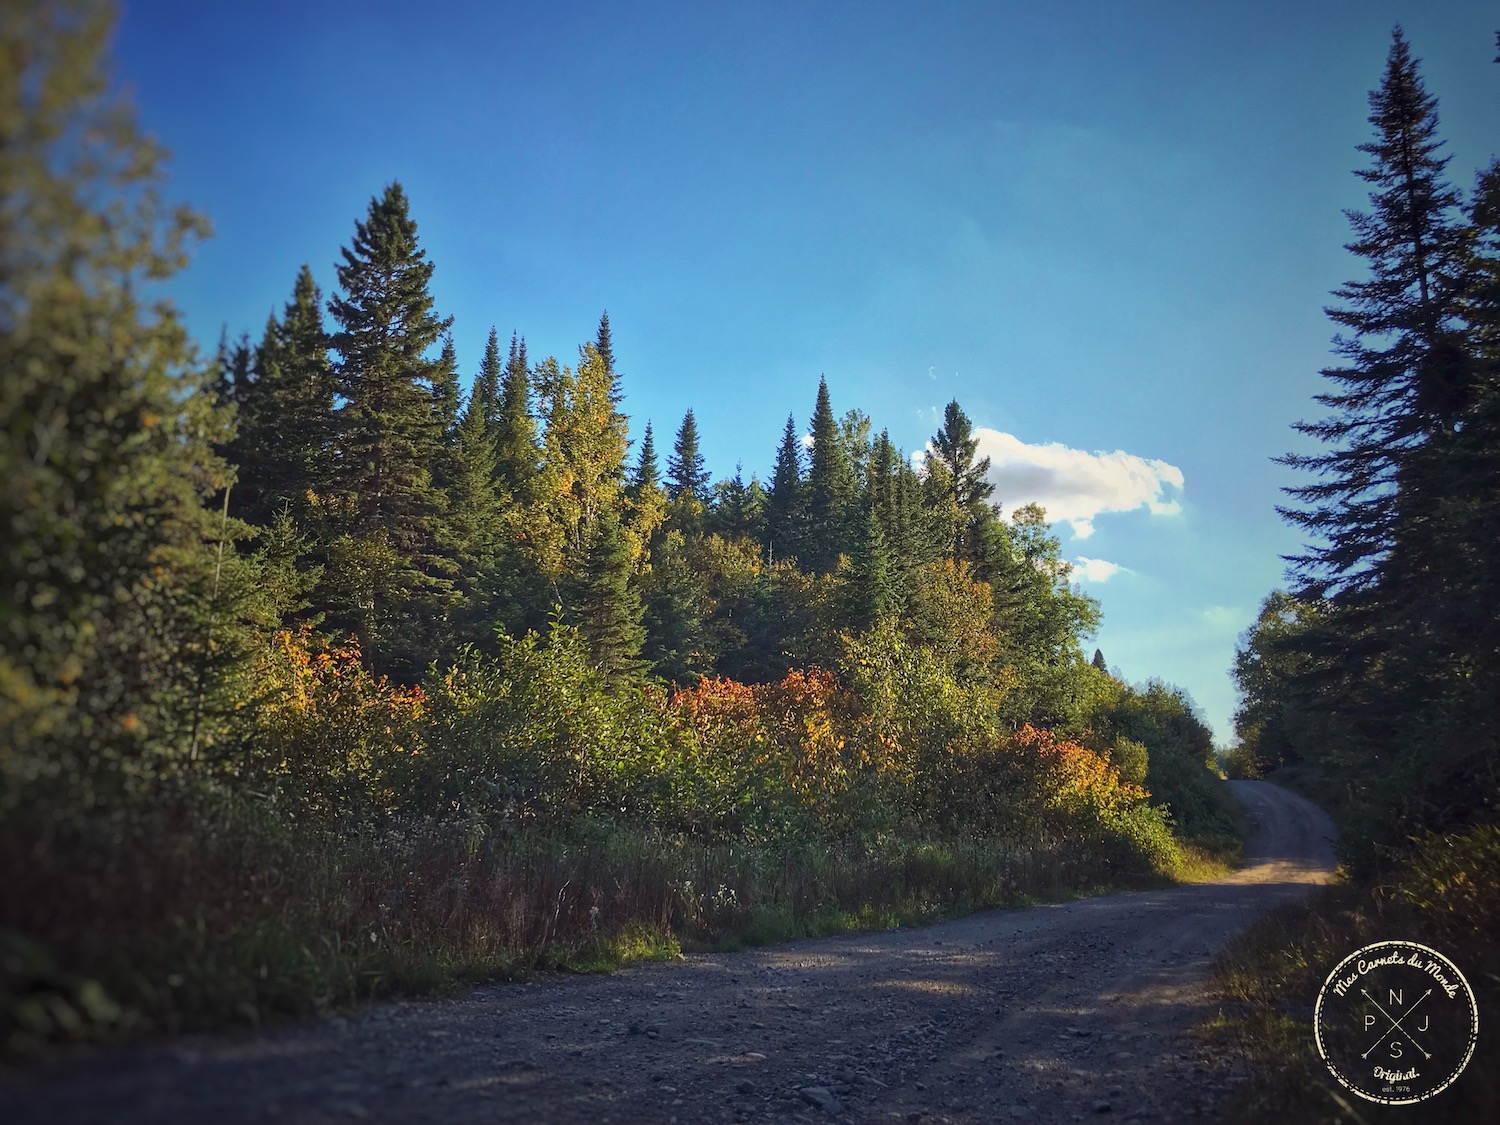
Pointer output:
x,y
1052,1013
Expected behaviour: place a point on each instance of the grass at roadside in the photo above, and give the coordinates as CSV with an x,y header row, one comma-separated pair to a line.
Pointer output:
x,y
1445,894
429,914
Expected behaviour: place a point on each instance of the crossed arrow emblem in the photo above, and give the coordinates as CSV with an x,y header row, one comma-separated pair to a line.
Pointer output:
x,y
1396,1024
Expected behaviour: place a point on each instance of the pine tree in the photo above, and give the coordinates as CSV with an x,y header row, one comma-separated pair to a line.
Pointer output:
x,y
447,396
646,474
476,513
872,591
678,644
604,343
968,491
397,567
487,390
607,606
1403,381
785,520
686,475
283,443
830,490
517,452
738,510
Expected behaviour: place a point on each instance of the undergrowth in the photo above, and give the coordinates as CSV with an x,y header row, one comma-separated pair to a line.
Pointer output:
x,y
1446,894
365,839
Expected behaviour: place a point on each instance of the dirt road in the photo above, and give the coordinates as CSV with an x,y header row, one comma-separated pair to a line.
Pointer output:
x,y
1054,1013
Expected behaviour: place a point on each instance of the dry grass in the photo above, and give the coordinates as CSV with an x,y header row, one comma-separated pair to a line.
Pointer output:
x,y
218,916
1447,895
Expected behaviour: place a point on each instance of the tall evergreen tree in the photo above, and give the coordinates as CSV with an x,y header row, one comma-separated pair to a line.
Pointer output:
x,y
908,538
873,595
447,396
487,390
830,490
1403,380
968,491
604,343
476,512
686,474
607,606
785,521
678,643
854,434
517,452
646,474
739,509
293,411
397,567
880,483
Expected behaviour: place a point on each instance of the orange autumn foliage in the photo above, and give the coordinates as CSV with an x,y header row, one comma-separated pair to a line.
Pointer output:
x,y
326,722
1075,777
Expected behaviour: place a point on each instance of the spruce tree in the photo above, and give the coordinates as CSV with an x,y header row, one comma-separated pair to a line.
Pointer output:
x,y
830,490
448,403
604,343
785,520
738,510
686,474
646,474
607,606
854,435
447,396
1403,380
584,444
908,537
517,452
872,593
487,391
285,425
954,445
295,405
397,562
880,483
476,511
678,643
1383,565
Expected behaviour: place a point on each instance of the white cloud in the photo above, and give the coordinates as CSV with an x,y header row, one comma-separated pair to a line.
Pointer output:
x,y
1095,570
1075,486
1226,617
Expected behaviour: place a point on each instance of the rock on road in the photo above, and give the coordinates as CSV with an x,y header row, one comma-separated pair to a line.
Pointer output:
x,y
1051,1013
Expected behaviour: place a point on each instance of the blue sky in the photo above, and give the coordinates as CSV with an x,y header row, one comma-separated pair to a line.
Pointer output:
x,y
1108,230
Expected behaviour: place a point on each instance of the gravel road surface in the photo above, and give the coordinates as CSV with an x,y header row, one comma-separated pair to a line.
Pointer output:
x,y
1067,1012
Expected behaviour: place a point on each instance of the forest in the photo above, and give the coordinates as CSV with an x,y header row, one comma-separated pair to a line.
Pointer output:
x,y
329,670
1371,683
